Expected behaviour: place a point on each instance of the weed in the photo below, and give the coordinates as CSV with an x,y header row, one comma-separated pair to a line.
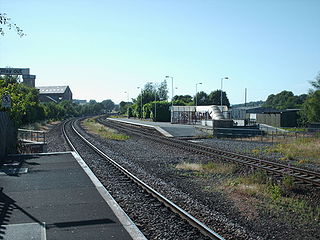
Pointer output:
x,y
275,191
255,152
209,166
260,177
288,182
307,149
92,126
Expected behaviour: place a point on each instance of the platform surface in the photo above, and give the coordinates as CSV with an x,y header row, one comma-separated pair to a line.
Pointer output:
x,y
175,130
55,199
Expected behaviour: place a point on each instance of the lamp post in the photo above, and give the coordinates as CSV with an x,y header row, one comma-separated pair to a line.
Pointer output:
x,y
221,91
155,105
141,103
197,93
171,97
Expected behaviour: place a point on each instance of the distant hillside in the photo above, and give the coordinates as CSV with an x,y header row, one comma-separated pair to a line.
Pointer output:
x,y
249,104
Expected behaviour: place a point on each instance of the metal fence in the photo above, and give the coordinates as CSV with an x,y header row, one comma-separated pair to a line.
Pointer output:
x,y
32,135
270,135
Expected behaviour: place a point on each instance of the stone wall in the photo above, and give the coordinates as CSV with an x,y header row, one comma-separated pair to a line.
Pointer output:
x,y
8,135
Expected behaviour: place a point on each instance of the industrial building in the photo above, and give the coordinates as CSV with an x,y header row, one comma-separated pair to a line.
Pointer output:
x,y
211,115
279,118
54,94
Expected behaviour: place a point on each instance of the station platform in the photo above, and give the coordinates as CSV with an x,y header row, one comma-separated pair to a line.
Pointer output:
x,y
170,130
56,196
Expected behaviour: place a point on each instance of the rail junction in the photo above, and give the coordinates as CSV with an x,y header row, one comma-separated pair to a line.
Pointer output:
x,y
300,175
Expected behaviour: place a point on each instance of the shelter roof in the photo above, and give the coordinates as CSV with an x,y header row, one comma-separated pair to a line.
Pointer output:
x,y
52,89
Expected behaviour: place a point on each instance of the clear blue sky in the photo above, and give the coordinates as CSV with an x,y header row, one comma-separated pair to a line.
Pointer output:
x,y
102,49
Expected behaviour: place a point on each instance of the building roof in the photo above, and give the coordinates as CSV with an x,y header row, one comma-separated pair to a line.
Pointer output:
x,y
52,89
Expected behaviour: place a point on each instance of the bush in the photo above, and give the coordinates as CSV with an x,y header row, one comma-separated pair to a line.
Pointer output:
x,y
163,113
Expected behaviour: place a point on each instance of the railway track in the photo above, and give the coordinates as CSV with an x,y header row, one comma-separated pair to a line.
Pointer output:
x,y
121,171
300,175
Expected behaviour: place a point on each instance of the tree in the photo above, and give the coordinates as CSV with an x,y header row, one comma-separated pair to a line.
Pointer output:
x,y
316,82
108,105
310,111
183,98
162,91
214,98
6,21
25,101
201,99
124,106
284,100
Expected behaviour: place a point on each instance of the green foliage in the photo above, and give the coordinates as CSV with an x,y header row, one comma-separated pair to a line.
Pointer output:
x,y
284,100
310,111
214,98
25,104
316,82
201,99
163,113
288,182
26,107
130,112
275,191
124,107
180,103
182,99
108,105
147,108
249,104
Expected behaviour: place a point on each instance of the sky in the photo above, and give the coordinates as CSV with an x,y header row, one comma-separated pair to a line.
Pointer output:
x,y
105,49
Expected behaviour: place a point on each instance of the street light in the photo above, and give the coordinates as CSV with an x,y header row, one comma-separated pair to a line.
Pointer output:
x,y
171,97
221,92
197,93
141,103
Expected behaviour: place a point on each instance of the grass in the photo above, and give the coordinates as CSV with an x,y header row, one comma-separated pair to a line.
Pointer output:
x,y
206,168
92,126
258,189
40,126
274,195
301,149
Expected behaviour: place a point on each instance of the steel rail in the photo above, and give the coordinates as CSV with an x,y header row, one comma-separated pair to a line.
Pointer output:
x,y
172,206
302,175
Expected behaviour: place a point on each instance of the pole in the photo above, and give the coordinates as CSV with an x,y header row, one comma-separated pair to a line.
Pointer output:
x,y
155,106
245,97
171,97
196,94
141,103
221,94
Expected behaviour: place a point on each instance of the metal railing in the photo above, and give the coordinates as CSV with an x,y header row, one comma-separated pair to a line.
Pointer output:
x,y
32,135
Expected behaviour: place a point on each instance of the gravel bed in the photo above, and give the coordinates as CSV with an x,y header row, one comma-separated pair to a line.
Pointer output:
x,y
254,149
56,141
152,217
155,163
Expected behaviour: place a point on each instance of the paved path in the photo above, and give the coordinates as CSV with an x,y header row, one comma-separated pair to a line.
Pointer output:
x,y
168,129
56,196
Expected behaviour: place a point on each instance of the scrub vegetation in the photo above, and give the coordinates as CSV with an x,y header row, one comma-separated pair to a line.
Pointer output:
x,y
254,193
299,150
92,126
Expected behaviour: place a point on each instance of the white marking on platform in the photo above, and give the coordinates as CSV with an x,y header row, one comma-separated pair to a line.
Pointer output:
x,y
124,219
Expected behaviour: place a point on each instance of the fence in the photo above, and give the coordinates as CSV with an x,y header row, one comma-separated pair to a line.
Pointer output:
x,y
271,135
32,135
